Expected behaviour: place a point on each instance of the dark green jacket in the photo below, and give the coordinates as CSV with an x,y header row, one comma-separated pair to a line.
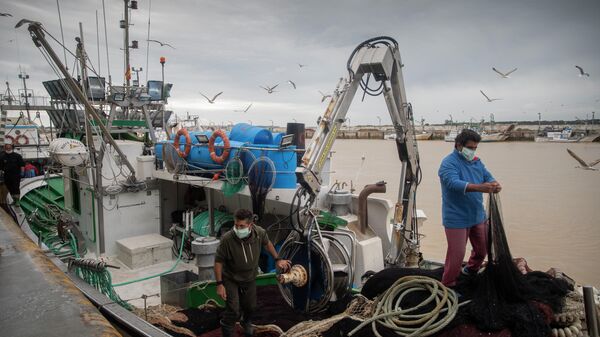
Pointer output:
x,y
240,256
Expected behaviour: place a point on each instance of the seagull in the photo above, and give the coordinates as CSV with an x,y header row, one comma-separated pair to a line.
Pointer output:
x,y
324,96
301,65
211,101
245,110
489,99
5,14
581,72
162,44
503,74
270,89
584,165
292,83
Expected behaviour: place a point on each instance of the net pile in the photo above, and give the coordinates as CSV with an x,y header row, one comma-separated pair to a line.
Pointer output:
x,y
502,296
360,309
261,177
234,173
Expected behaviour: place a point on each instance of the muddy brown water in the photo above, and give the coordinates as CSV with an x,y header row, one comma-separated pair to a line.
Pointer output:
x,y
551,209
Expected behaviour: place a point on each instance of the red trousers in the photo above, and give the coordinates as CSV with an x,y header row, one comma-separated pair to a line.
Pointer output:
x,y
457,245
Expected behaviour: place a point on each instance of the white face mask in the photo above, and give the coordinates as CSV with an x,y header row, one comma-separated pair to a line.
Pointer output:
x,y
468,153
242,233
9,151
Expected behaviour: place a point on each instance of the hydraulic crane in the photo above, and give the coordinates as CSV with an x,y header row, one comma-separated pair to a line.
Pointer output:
x,y
375,60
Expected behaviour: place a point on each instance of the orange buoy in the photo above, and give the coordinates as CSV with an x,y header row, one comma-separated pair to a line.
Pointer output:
x,y
226,147
188,143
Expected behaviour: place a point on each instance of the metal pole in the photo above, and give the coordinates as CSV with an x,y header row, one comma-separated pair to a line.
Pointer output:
x,y
24,77
162,89
126,43
591,317
96,158
39,39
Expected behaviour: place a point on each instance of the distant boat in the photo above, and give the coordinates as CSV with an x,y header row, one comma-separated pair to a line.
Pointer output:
x,y
424,135
497,136
451,136
562,136
418,136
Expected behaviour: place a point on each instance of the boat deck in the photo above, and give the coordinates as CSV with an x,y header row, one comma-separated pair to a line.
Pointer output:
x,y
37,298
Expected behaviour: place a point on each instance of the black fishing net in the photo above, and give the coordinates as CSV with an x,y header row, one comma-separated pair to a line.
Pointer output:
x,y
383,280
502,297
261,177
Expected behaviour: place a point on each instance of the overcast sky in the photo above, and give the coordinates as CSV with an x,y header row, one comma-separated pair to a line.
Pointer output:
x,y
448,49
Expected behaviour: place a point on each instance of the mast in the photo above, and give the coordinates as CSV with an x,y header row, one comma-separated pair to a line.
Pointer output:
x,y
39,40
95,156
24,77
126,43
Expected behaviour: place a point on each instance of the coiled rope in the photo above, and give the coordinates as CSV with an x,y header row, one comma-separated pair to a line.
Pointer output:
x,y
402,321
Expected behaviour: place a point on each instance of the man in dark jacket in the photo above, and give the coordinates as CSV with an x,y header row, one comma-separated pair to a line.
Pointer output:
x,y
12,165
236,267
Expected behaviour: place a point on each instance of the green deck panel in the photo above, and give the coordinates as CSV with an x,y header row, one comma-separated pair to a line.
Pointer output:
x,y
37,199
200,294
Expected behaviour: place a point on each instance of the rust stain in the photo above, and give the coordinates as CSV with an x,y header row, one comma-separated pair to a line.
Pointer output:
x,y
89,314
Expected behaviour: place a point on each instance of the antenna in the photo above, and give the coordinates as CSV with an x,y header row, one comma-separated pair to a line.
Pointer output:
x,y
24,77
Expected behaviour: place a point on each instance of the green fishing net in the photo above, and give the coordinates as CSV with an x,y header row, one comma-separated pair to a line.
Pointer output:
x,y
234,173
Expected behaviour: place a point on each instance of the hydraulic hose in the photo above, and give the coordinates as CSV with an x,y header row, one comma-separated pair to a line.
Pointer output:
x,y
390,313
159,274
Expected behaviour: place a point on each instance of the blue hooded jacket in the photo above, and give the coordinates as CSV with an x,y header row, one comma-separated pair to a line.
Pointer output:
x,y
459,208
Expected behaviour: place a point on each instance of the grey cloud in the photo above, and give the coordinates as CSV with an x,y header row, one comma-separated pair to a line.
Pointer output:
x,y
448,49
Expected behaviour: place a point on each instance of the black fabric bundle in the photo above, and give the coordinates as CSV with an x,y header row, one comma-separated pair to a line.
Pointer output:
x,y
261,177
502,296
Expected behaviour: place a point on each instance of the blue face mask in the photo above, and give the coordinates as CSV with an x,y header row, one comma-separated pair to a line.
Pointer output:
x,y
468,153
242,233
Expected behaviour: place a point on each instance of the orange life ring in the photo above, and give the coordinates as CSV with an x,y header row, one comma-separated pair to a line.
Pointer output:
x,y
12,139
21,136
226,147
188,143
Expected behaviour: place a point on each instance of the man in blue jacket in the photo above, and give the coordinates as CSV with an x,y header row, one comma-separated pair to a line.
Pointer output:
x,y
464,179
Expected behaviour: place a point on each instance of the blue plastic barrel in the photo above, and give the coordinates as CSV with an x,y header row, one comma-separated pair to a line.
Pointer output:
x,y
284,160
277,138
247,133
199,156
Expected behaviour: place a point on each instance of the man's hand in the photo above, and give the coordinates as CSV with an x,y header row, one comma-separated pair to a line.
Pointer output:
x,y
221,292
283,265
497,187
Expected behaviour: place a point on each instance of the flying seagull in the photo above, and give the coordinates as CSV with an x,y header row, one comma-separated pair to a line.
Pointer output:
x,y
503,74
292,83
324,96
581,72
301,65
489,99
211,101
5,14
270,90
584,165
245,110
162,44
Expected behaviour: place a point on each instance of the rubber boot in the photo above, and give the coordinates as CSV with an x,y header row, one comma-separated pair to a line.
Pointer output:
x,y
226,331
248,329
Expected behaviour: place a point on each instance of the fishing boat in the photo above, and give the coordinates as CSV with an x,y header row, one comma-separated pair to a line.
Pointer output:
x,y
135,222
451,136
557,136
497,136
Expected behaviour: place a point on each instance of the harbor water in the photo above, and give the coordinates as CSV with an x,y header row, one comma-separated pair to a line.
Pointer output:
x,y
551,209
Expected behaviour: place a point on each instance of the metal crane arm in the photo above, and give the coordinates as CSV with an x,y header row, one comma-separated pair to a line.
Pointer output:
x,y
378,58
